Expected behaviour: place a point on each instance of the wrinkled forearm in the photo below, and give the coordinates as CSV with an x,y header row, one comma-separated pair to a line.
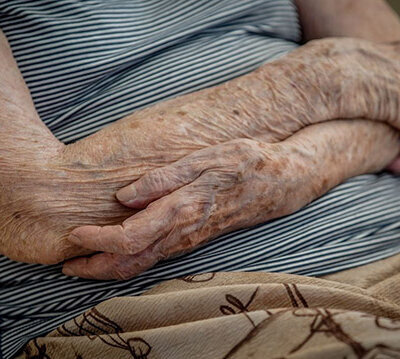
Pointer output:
x,y
46,197
274,101
229,186
23,135
324,80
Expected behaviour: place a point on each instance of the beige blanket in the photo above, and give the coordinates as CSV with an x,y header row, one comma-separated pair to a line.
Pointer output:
x,y
352,314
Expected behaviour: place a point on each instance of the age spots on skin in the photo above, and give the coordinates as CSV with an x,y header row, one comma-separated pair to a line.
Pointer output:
x,y
181,113
277,170
324,185
236,112
260,165
238,193
301,67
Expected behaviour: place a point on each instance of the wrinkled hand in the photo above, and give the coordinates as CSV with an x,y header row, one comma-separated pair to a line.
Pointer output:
x,y
226,187
213,190
48,189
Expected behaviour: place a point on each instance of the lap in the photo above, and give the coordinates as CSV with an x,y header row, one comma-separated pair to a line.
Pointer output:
x,y
353,224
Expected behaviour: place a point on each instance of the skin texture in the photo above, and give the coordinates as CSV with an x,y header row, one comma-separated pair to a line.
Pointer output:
x,y
372,20
184,218
48,189
229,186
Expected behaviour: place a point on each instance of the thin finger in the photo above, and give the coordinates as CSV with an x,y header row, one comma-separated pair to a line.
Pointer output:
x,y
97,238
160,182
107,266
135,234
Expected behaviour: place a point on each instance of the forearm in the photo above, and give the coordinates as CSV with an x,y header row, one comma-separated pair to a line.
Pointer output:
x,y
372,20
22,131
318,82
226,187
328,154
280,98
42,201
261,103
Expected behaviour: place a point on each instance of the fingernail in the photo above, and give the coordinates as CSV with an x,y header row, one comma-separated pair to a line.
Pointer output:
x,y
127,194
75,239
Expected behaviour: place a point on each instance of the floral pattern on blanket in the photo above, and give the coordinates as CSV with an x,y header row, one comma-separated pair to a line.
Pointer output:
x,y
233,315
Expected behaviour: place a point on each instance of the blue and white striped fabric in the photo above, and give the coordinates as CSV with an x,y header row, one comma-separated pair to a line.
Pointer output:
x,y
89,63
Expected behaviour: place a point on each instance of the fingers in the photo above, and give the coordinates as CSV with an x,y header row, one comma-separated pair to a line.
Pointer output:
x,y
162,181
133,236
111,239
172,239
188,213
165,218
107,266
158,183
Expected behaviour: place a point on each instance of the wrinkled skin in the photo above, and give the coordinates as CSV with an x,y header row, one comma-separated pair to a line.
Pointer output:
x,y
229,186
51,189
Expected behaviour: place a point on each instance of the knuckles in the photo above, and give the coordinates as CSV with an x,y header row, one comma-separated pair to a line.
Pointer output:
x,y
154,180
187,211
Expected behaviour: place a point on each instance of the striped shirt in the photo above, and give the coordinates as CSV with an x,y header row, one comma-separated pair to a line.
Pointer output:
x,y
89,63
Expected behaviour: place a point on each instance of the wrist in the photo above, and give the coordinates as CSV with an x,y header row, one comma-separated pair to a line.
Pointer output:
x,y
327,154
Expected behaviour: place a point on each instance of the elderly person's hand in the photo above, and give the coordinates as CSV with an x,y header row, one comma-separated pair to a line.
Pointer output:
x,y
229,186
324,80
49,189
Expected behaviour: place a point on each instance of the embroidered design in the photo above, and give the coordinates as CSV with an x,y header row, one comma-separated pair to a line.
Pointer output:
x,y
324,323
387,324
198,278
236,306
41,351
295,295
96,325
